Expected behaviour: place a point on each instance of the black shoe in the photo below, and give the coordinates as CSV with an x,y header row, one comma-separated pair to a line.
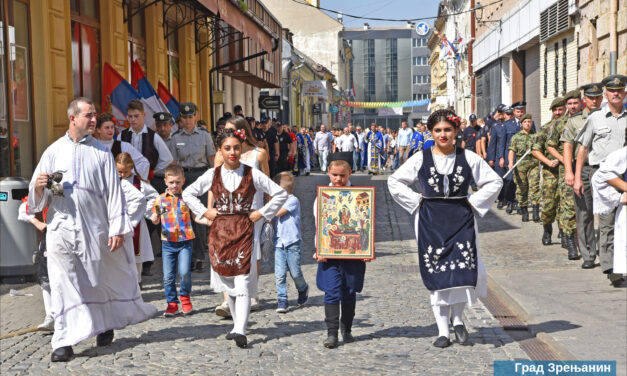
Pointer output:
x,y
442,342
198,268
230,336
104,339
240,340
620,283
546,237
62,354
330,342
588,264
525,214
573,249
146,268
510,208
461,335
518,209
536,213
347,337
500,205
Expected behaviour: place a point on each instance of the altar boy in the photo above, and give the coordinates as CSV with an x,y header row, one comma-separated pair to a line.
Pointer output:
x,y
340,280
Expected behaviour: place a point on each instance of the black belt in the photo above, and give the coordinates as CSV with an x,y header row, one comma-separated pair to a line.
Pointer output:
x,y
194,169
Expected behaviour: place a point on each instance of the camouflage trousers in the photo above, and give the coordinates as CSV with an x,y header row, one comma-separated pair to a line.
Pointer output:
x,y
550,197
533,177
566,211
522,179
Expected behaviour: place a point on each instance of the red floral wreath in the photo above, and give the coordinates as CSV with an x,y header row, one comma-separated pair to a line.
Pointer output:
x,y
454,119
241,134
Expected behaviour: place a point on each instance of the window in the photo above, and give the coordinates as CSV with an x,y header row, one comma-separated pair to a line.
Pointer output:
x,y
136,37
391,73
173,66
420,96
86,50
419,42
557,62
422,79
17,138
564,46
369,71
420,60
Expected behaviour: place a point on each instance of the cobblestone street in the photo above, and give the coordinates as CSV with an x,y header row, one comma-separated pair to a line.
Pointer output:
x,y
394,324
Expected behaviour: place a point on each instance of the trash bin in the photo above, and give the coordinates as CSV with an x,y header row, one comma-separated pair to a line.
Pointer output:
x,y
18,239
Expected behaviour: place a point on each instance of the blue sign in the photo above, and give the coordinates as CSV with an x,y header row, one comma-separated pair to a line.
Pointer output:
x,y
334,109
422,29
555,368
4,196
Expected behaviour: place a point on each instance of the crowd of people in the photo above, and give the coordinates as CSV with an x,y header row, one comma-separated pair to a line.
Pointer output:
x,y
103,193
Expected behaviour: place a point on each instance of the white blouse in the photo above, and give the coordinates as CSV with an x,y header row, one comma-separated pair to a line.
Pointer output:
x,y
231,180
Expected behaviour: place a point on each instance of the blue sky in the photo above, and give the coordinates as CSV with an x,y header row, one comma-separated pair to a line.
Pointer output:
x,y
382,9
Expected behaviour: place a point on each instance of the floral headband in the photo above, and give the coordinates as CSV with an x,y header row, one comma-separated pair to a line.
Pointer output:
x,y
454,119
241,134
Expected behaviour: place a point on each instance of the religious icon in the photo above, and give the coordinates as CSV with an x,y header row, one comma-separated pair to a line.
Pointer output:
x,y
345,226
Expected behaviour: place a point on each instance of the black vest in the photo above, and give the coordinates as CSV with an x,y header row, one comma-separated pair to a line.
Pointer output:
x,y
148,145
116,148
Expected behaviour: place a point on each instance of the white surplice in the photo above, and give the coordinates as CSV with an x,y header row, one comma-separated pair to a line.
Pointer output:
x,y
606,198
489,184
145,245
135,209
141,163
245,284
93,290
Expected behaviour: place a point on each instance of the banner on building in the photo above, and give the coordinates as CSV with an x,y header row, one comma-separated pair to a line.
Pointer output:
x,y
315,88
387,111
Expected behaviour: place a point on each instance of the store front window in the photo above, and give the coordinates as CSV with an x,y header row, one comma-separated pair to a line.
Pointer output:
x,y
17,137
86,50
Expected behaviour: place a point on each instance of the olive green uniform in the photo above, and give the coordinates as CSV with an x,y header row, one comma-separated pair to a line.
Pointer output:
x,y
566,210
520,143
550,198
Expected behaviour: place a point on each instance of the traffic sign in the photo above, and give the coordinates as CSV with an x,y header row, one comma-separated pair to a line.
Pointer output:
x,y
422,29
334,109
270,102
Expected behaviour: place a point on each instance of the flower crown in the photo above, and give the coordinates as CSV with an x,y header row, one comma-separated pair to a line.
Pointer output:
x,y
454,119
241,134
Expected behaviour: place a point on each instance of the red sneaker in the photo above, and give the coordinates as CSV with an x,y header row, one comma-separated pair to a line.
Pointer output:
x,y
172,310
186,304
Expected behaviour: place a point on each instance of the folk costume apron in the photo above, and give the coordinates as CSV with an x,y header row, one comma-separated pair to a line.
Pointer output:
x,y
231,234
446,234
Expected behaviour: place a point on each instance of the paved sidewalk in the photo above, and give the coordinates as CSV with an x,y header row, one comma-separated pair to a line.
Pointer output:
x,y
394,324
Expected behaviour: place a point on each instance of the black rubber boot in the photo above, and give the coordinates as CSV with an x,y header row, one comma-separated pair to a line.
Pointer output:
x,y
348,313
560,234
563,239
546,237
499,205
536,213
146,266
332,319
573,249
525,214
510,208
518,209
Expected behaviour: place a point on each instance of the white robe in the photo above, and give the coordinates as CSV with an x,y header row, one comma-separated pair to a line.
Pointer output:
x,y
93,290
606,198
490,185
245,284
135,209
141,163
145,245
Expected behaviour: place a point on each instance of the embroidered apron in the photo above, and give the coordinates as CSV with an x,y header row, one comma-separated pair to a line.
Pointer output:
x,y
231,234
446,233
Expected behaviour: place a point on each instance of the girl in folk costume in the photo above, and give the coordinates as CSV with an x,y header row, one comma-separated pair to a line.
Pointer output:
x,y
375,146
609,192
445,224
305,150
141,238
255,156
231,246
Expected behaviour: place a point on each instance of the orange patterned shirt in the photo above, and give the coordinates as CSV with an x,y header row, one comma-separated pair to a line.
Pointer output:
x,y
176,218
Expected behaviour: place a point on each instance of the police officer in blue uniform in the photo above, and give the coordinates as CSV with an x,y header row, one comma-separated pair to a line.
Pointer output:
x,y
496,148
511,127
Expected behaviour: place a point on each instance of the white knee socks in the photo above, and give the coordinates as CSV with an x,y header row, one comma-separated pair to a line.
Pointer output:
x,y
457,310
242,306
45,292
230,300
441,314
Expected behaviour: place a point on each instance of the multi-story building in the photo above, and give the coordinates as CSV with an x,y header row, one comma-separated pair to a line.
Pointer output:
x,y
381,71
421,74
439,94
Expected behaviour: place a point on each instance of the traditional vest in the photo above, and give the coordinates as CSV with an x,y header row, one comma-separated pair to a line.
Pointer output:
x,y
116,148
148,145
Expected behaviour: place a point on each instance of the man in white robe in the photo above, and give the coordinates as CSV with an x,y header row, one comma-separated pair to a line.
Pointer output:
x,y
92,279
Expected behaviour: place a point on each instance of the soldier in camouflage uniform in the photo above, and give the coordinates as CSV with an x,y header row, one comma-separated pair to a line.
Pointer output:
x,y
566,194
535,193
592,96
550,171
520,143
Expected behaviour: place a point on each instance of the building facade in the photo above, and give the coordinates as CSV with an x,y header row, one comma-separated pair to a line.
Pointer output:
x,y
439,94
421,74
56,49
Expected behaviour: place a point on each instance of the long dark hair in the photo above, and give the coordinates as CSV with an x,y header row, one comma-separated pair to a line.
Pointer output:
x,y
241,123
442,115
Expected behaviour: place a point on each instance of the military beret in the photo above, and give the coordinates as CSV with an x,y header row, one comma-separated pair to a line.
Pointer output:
x,y
559,101
616,81
519,105
162,117
592,90
525,117
472,117
187,108
573,94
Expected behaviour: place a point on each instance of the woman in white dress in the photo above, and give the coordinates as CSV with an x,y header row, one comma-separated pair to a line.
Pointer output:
x,y
609,193
141,237
231,251
255,156
444,221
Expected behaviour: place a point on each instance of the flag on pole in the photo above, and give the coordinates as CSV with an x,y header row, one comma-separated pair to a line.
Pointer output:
x,y
116,93
148,95
166,97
